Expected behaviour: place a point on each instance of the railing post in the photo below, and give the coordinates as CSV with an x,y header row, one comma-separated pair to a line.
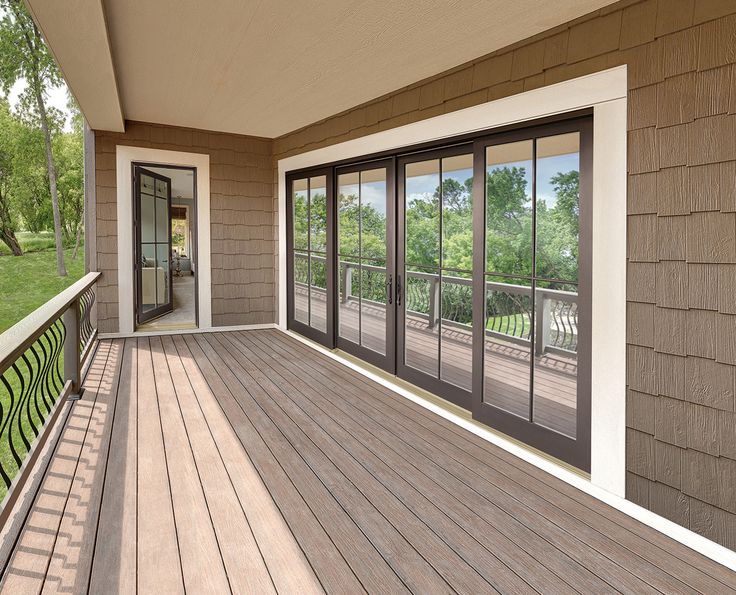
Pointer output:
x,y
542,312
347,282
434,301
72,364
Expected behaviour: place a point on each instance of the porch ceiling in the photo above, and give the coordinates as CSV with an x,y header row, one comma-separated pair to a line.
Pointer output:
x,y
268,68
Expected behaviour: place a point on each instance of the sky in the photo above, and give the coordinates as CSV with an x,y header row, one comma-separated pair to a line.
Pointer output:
x,y
57,98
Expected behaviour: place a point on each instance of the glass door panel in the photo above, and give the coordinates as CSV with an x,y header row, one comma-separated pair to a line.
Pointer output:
x,y
153,244
308,268
535,315
365,261
436,257
556,295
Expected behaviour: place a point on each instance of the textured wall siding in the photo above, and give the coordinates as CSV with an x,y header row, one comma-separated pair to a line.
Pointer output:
x,y
242,219
681,436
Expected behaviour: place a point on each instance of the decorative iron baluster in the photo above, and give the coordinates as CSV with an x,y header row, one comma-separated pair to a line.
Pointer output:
x,y
29,389
86,330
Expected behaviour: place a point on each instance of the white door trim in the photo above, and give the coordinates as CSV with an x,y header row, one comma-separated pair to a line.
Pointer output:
x,y
124,156
606,93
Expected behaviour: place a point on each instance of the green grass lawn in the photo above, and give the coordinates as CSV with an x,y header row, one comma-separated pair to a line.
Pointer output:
x,y
27,282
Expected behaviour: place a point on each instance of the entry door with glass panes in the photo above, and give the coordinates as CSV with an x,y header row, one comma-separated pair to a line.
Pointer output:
x,y
309,269
365,262
153,244
434,272
532,255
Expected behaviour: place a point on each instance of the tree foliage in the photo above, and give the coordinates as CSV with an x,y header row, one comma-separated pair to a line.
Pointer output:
x,y
25,57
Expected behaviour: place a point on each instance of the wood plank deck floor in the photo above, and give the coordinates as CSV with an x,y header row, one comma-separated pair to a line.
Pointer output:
x,y
248,462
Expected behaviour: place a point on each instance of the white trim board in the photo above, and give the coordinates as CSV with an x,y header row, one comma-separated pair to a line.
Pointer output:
x,y
606,93
124,156
700,544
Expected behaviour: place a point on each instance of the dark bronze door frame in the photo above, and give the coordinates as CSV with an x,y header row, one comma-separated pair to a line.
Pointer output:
x,y
167,305
307,328
369,269
574,450
431,382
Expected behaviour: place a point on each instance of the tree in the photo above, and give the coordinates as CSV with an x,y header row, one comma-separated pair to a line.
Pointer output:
x,y
24,55
7,151
69,151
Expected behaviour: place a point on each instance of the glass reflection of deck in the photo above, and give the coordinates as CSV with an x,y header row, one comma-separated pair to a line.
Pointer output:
x,y
507,363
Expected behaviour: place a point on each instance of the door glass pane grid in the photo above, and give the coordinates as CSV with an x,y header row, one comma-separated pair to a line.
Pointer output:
x,y
532,188
154,249
439,255
373,281
309,228
362,233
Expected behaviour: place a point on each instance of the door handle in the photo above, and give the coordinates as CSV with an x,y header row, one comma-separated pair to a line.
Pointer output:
x,y
390,289
398,290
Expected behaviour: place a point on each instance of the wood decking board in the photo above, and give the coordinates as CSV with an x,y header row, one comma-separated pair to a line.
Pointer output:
x,y
159,560
416,573
275,541
115,550
362,436
476,452
380,487
71,560
249,462
531,517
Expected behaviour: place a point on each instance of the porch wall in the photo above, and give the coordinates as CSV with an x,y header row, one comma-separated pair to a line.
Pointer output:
x,y
681,335
242,219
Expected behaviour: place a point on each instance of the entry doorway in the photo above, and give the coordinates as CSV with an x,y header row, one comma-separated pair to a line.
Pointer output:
x,y
165,253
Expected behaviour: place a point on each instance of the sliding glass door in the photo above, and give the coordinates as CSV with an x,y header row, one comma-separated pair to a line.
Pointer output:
x,y
533,263
435,300
365,262
309,257
464,270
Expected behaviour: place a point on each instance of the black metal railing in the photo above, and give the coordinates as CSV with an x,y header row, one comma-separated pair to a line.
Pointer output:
x,y
41,363
508,306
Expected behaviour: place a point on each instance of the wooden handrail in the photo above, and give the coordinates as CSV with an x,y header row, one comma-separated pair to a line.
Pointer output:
x,y
32,379
18,338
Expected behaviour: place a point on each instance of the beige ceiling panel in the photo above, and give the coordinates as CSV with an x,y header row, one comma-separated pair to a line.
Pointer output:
x,y
77,34
269,67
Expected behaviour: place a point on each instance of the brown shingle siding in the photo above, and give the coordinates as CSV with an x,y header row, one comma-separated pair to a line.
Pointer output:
x,y
670,421
681,238
241,175
670,375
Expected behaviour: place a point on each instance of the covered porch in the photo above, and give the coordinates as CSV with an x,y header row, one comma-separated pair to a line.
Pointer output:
x,y
251,462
